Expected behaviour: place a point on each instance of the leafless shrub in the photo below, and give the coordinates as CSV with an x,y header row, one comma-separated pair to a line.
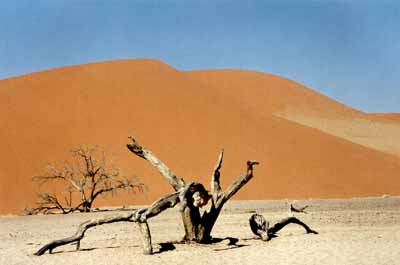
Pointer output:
x,y
87,176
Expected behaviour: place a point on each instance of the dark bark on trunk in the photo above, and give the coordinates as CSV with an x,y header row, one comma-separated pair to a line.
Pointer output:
x,y
86,207
198,227
192,223
193,196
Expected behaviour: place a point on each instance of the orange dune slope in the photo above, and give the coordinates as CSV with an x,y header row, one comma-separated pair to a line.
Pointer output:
x,y
185,118
388,117
266,94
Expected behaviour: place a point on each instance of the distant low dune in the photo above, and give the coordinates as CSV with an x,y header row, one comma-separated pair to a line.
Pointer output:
x,y
308,145
388,117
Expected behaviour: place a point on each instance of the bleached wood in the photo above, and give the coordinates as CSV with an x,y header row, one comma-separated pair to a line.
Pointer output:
x,y
169,175
146,238
215,179
238,183
80,233
140,216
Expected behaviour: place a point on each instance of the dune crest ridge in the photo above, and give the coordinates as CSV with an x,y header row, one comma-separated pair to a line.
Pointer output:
x,y
186,118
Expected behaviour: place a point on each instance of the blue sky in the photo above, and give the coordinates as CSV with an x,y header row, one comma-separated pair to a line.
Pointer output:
x,y
348,50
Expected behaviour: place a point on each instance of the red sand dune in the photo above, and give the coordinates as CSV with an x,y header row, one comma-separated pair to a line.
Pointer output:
x,y
389,117
185,118
271,95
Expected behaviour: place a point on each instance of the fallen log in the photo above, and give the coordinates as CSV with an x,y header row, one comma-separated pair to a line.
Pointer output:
x,y
260,227
140,216
80,233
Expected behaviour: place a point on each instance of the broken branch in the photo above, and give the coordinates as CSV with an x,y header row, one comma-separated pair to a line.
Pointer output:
x,y
238,183
215,179
173,180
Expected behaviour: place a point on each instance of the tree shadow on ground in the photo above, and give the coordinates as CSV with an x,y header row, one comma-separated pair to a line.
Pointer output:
x,y
231,243
257,238
91,249
168,246
226,243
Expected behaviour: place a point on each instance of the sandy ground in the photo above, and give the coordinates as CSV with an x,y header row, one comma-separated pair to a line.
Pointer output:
x,y
352,231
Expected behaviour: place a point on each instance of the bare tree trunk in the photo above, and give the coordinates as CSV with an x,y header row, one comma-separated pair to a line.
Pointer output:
x,y
192,223
86,207
198,227
260,227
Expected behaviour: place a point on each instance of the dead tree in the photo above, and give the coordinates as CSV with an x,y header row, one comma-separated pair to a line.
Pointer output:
x,y
198,226
260,227
87,176
190,197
